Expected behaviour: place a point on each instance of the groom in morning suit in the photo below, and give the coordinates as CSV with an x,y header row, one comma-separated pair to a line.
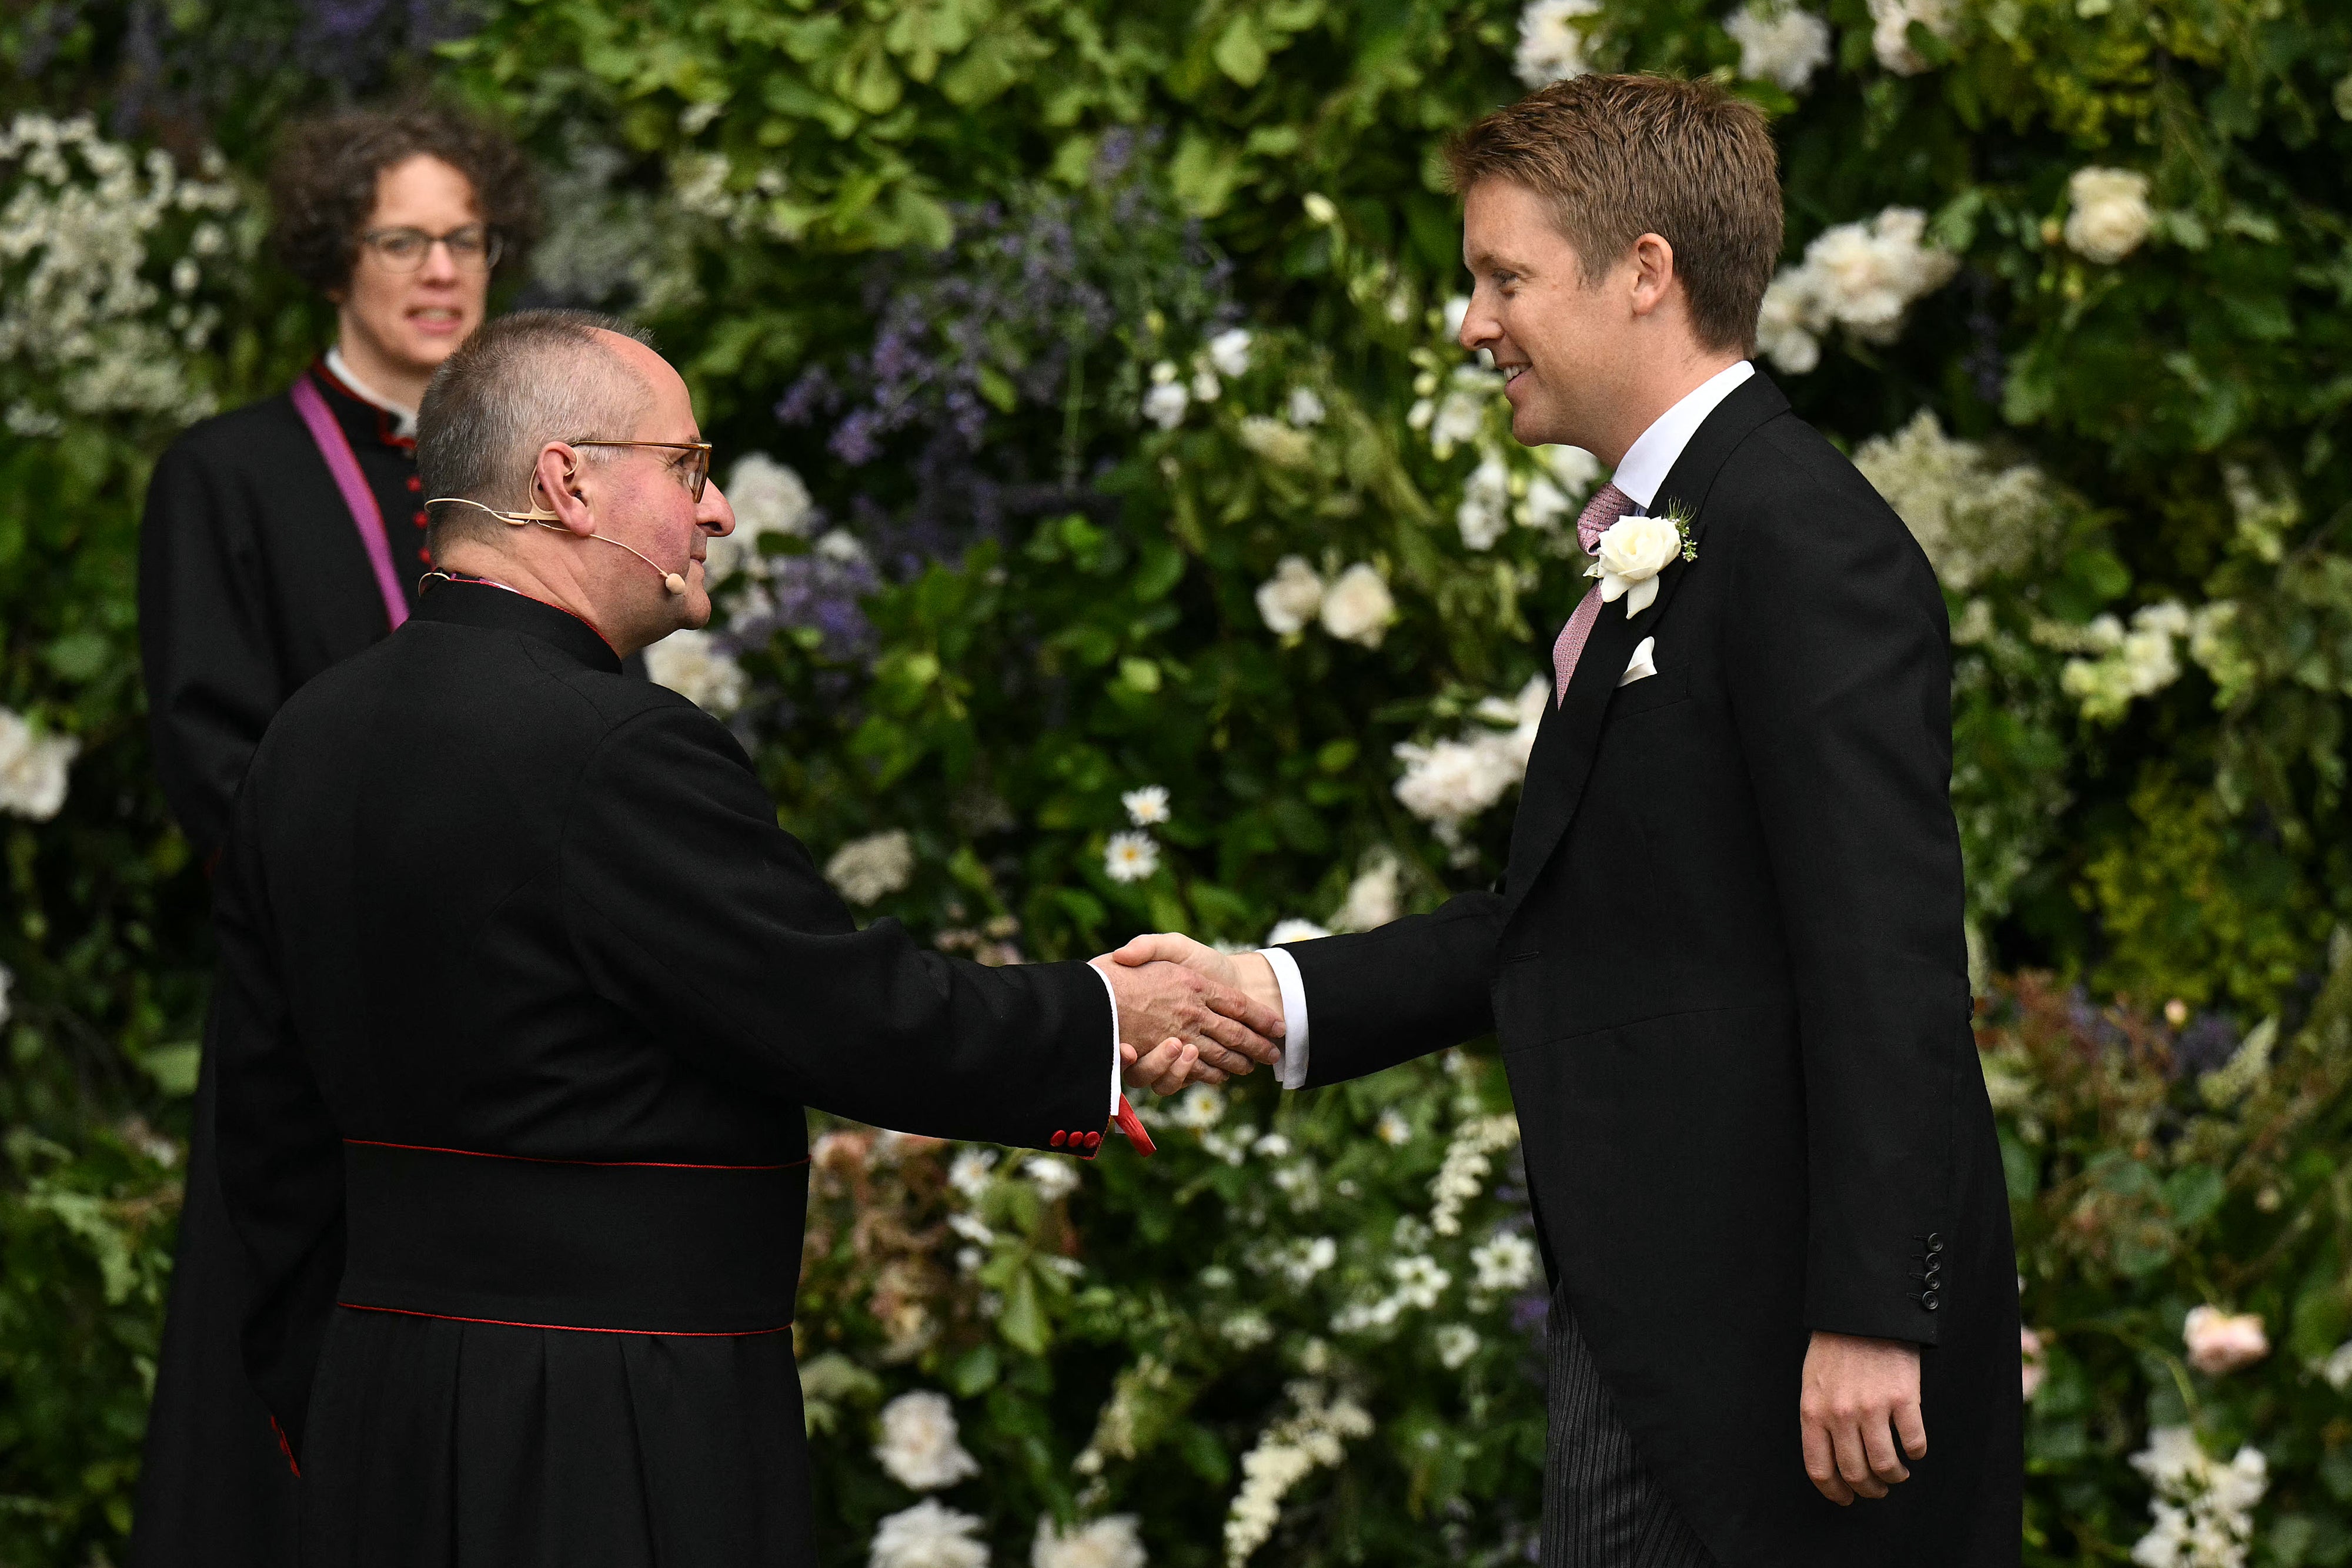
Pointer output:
x,y
1726,962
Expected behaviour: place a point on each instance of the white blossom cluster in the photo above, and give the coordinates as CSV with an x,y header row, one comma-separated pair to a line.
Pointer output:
x,y
1553,46
1975,518
1448,782
768,498
1780,42
866,870
1890,33
1354,606
87,225
1468,1160
610,241
697,667
1460,417
2204,1510
1504,1262
2120,665
1864,276
1171,394
34,766
2107,214
1285,1455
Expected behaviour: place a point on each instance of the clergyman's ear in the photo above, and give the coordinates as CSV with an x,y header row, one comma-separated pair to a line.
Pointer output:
x,y
555,487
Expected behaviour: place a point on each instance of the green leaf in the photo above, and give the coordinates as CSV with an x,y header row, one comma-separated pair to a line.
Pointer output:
x,y
1240,51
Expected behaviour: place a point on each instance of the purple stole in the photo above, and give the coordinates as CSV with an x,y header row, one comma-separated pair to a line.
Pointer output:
x,y
344,464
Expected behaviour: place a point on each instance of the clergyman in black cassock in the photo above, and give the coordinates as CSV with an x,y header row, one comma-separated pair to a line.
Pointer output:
x,y
522,993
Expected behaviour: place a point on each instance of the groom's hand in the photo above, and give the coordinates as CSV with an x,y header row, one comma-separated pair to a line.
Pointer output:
x,y
1160,1005
1859,1397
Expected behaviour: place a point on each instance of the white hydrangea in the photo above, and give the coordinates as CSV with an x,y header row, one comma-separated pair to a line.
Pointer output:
x,y
2107,213
697,667
1147,805
927,1536
1890,35
768,498
1504,1262
1974,518
1293,930
1455,1344
1285,1455
1229,351
2204,1510
1551,45
35,767
1778,42
920,1445
1131,857
1486,509
1864,276
1304,408
873,867
1292,597
1357,606
1374,898
1113,1542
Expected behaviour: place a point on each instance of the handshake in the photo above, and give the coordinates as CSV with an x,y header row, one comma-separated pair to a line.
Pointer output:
x,y
1189,1014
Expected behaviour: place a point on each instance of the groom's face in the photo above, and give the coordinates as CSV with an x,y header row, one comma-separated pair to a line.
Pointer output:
x,y
1563,343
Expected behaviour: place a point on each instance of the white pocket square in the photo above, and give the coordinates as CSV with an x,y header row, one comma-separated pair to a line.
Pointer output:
x,y
1640,668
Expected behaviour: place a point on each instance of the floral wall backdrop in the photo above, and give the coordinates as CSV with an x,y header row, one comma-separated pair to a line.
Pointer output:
x,y
1125,544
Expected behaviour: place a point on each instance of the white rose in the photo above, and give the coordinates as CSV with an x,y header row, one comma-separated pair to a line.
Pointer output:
x,y
1111,1543
1357,607
2220,1341
927,1536
1890,35
2109,215
1632,552
1374,898
1292,597
1551,45
1779,43
32,768
1230,351
693,664
918,1445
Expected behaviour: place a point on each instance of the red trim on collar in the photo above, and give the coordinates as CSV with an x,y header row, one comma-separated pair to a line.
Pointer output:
x,y
285,1448
538,1160
571,1328
535,599
383,426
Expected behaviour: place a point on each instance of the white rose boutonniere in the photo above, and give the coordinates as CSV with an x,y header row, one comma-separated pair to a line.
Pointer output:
x,y
1633,550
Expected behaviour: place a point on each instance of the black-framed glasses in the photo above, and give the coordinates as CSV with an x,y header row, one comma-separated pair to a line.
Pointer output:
x,y
475,247
693,470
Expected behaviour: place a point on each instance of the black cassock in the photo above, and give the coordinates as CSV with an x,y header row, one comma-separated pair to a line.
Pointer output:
x,y
522,993
252,578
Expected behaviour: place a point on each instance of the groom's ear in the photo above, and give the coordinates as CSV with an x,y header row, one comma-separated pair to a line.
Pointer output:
x,y
1653,273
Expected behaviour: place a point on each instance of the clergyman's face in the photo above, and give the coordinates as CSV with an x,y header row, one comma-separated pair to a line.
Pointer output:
x,y
416,317
653,508
1558,341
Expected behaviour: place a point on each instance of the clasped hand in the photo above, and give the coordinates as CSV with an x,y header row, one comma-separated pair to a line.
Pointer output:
x,y
1179,1025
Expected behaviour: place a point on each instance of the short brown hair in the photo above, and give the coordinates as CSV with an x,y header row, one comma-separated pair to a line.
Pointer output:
x,y
1622,156
323,185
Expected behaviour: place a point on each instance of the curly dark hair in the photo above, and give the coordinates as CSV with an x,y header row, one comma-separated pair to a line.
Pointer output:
x,y
323,185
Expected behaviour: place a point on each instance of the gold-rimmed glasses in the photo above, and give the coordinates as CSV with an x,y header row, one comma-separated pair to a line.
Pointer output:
x,y
475,247
694,470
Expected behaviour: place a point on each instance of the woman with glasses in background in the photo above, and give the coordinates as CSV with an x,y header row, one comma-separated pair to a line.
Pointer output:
x,y
279,539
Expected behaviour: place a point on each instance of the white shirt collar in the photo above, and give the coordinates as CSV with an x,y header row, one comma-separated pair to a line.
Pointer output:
x,y
405,418
1651,458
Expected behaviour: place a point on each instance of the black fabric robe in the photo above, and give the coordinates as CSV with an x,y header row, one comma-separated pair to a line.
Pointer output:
x,y
522,992
252,579
1727,970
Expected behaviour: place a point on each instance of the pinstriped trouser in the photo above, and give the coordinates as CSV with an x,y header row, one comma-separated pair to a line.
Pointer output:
x,y
1601,1509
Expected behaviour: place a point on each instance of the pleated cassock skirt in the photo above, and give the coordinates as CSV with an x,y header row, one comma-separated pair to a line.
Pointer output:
x,y
1601,1507
434,1443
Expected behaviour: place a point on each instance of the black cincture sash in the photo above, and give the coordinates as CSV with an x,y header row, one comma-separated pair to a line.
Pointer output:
x,y
626,1248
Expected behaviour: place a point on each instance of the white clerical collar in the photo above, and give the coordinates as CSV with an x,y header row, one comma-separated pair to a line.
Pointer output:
x,y
405,419
1650,459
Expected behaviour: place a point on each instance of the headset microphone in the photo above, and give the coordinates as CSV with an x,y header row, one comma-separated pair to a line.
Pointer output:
x,y
670,580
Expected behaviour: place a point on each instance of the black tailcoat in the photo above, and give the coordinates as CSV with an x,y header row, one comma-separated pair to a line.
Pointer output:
x,y
1727,970
522,992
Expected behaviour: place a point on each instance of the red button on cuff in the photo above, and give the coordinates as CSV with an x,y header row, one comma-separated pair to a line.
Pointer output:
x,y
1093,1139
1059,1138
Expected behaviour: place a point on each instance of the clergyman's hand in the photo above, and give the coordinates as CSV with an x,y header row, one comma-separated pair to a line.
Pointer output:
x,y
1859,1397
1159,1002
1248,973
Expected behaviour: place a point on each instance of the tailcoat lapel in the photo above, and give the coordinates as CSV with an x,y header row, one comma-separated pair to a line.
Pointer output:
x,y
1571,733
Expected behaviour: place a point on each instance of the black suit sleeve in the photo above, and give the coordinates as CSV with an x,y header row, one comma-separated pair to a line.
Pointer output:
x,y
281,1155
695,913
1413,987
211,673
1838,667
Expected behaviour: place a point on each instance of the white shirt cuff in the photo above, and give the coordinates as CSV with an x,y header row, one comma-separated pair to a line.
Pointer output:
x,y
1293,1070
1111,1113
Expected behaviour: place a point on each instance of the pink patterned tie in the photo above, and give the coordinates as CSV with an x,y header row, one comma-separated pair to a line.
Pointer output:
x,y
1608,504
